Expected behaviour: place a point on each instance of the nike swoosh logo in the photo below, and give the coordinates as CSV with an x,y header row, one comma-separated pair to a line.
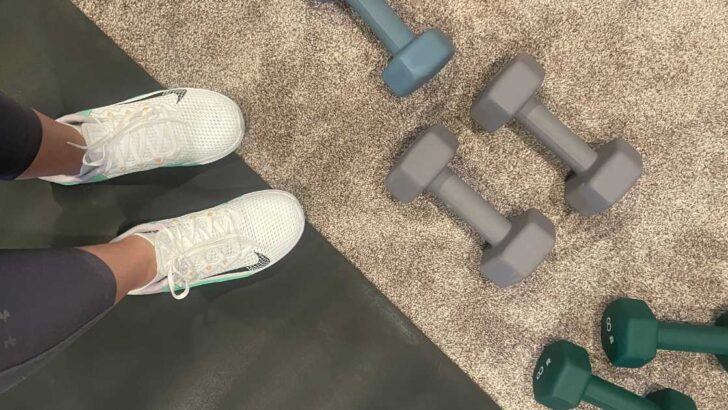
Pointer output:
x,y
263,261
179,93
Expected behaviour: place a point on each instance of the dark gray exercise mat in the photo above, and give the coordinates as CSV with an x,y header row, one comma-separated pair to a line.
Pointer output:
x,y
309,333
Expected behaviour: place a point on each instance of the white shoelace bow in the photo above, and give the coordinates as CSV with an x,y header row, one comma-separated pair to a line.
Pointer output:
x,y
203,243
123,120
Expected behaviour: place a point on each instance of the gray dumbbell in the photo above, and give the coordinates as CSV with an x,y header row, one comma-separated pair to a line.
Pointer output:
x,y
600,177
518,245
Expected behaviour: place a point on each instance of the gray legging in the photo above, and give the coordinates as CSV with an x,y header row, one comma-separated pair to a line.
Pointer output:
x,y
20,137
47,298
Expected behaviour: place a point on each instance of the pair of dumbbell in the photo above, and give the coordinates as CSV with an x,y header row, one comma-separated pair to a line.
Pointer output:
x,y
631,336
599,179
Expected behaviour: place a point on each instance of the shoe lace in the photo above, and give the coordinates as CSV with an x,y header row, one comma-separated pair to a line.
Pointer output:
x,y
126,119
205,240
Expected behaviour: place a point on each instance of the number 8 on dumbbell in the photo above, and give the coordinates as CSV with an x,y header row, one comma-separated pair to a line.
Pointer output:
x,y
631,335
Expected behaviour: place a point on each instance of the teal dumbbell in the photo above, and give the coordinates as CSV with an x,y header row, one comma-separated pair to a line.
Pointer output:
x,y
631,335
563,378
416,59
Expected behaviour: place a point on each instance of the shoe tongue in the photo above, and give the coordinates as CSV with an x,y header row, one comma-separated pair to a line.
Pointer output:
x,y
93,132
137,141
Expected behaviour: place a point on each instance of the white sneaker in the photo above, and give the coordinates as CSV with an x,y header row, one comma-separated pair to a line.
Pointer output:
x,y
169,128
230,241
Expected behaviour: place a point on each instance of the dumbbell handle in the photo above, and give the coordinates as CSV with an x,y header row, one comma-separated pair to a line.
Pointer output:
x,y
692,338
556,136
605,395
470,206
386,24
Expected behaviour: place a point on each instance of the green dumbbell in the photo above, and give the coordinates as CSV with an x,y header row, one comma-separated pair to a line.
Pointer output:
x,y
563,378
631,335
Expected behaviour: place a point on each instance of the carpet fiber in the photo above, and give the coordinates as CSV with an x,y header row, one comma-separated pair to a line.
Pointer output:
x,y
323,126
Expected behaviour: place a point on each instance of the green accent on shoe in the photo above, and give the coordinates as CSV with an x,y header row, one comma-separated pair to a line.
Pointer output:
x,y
174,165
85,113
98,178
212,280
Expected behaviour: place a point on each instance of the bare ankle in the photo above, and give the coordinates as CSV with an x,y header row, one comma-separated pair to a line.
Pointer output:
x,y
133,262
57,155
148,262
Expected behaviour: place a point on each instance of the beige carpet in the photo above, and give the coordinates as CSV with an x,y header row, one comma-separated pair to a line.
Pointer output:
x,y
323,126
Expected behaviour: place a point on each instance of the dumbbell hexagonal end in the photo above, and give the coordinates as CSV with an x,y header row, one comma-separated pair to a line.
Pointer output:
x,y
629,333
669,399
422,163
418,62
527,244
561,375
616,170
508,92
723,322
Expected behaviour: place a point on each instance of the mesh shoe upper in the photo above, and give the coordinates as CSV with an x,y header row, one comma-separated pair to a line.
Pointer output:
x,y
229,241
178,127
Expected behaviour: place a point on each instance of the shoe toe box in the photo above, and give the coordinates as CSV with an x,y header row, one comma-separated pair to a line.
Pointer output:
x,y
215,125
275,221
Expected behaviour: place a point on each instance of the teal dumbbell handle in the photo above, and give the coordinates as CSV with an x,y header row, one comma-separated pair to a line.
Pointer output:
x,y
692,338
605,395
385,23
